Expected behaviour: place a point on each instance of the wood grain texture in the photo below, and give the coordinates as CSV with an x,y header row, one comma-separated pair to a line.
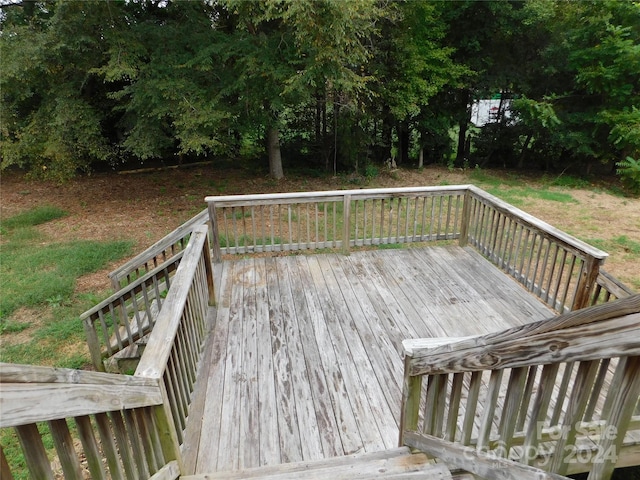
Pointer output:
x,y
320,337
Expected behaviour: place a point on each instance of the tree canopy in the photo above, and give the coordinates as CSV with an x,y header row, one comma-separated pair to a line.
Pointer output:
x,y
322,84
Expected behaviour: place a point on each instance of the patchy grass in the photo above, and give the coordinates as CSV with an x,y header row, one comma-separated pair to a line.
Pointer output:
x,y
41,276
30,218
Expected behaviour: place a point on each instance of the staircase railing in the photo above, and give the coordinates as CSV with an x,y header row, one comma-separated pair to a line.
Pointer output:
x,y
121,426
559,394
157,254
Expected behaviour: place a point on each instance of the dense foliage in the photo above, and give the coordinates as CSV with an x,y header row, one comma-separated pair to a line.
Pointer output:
x,y
319,84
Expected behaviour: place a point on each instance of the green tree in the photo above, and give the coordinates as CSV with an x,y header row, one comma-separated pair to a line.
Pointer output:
x,y
52,104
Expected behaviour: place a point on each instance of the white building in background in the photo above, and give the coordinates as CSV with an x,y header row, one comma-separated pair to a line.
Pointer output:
x,y
486,111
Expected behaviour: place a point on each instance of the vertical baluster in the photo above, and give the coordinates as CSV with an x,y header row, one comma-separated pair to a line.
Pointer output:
x,y
425,200
623,404
105,329
35,454
490,404
562,393
64,448
454,406
435,404
575,410
108,446
510,410
138,452
471,407
597,393
440,215
124,449
567,284
523,254
539,412
512,232
90,447
526,398
560,274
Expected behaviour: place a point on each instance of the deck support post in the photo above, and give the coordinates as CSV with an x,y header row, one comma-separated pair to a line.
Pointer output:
x,y
586,282
167,429
409,412
208,265
346,232
215,234
465,220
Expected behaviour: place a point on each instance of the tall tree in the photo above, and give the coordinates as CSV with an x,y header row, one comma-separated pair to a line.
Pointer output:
x,y
52,102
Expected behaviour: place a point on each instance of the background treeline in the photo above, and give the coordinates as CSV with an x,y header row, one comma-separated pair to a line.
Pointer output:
x,y
330,85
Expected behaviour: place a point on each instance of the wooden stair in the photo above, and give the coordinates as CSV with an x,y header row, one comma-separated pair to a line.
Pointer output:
x,y
396,464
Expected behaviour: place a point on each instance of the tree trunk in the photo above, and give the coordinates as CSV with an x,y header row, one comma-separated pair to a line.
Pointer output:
x,y
273,148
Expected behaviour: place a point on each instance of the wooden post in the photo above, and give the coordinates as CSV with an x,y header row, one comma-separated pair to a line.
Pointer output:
x,y
167,429
586,282
411,389
94,345
346,233
465,220
215,238
208,265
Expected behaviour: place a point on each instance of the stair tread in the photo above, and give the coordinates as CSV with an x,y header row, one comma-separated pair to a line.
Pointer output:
x,y
397,463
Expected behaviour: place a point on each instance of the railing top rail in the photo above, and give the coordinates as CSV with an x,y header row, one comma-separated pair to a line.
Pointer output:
x,y
36,394
537,224
607,330
158,349
328,194
132,286
165,242
16,373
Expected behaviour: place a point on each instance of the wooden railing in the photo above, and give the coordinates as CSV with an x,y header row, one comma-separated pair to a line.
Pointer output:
x,y
103,425
556,267
129,314
122,426
173,352
559,394
157,254
334,219
559,269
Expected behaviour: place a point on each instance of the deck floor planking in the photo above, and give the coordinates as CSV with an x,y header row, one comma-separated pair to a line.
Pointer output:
x,y
307,350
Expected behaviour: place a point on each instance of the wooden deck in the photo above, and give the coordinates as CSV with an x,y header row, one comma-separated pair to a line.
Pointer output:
x,y
306,358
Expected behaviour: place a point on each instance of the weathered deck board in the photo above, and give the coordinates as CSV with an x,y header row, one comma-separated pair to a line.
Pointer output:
x,y
307,355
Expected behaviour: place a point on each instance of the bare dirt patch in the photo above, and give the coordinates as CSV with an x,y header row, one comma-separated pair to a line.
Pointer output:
x,y
146,206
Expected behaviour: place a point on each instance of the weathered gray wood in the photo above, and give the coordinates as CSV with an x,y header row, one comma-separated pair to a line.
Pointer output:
x,y
210,427
478,462
35,454
90,447
170,471
393,464
324,416
64,448
335,402
584,322
619,419
157,248
35,402
161,341
16,373
5,471
537,225
365,309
